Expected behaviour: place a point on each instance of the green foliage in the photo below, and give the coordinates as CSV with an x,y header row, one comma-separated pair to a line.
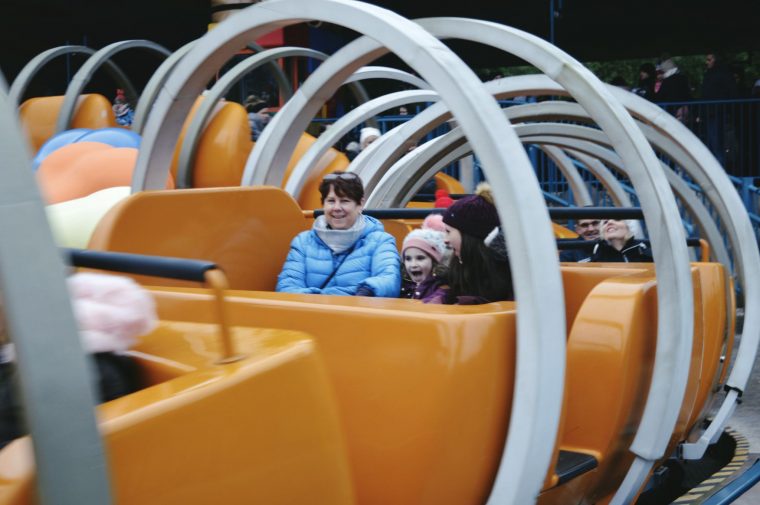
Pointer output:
x,y
693,66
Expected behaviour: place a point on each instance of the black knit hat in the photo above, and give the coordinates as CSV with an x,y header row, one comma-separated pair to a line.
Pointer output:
x,y
474,215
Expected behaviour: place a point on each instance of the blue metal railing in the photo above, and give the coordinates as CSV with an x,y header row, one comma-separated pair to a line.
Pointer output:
x,y
729,128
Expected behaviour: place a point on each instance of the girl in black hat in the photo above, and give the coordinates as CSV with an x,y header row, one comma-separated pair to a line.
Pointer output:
x,y
477,273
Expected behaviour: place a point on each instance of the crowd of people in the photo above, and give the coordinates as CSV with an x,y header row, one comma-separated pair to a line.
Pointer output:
x,y
727,128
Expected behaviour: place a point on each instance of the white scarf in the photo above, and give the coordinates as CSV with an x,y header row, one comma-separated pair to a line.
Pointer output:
x,y
339,241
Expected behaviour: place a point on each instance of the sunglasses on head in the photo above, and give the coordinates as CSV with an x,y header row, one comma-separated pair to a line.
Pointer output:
x,y
346,176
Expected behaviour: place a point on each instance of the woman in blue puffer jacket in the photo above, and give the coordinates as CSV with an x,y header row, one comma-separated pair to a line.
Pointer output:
x,y
345,252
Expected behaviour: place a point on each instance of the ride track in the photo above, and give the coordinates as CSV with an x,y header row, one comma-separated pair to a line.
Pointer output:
x,y
530,446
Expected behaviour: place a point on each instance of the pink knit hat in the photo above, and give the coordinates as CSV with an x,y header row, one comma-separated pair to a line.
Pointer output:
x,y
428,240
112,311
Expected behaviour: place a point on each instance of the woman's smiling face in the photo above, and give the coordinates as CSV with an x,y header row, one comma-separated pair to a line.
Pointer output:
x,y
340,211
418,264
615,230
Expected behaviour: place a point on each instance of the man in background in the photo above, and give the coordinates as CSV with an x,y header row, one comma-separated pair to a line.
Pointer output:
x,y
587,229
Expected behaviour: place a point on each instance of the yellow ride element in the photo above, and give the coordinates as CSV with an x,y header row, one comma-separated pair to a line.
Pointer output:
x,y
38,116
421,393
74,221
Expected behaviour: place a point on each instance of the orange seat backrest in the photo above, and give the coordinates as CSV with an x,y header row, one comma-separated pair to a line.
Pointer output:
x,y
245,230
398,229
39,115
579,279
223,148
450,184
333,160
610,357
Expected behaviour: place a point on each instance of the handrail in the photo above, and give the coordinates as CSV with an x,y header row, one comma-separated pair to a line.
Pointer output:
x,y
572,243
142,264
185,269
554,212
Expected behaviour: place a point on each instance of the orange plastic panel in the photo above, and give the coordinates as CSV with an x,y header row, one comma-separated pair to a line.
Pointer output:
x,y
39,115
423,391
712,277
261,430
562,232
450,184
688,405
82,168
246,231
181,138
331,161
223,148
419,205
610,356
578,279
398,229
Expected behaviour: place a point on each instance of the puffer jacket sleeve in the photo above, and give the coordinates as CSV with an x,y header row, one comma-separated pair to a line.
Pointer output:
x,y
292,278
385,275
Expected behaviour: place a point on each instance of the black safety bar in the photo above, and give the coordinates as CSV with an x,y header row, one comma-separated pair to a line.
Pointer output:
x,y
554,212
572,243
159,266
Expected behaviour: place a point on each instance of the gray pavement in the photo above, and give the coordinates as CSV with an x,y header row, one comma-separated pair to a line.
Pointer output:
x,y
746,420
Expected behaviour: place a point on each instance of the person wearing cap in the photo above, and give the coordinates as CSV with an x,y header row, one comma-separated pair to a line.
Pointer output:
x,y
352,150
422,252
476,273
345,252
122,111
367,136
675,85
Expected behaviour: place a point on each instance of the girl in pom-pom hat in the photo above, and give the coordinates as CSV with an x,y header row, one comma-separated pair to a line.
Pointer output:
x,y
422,253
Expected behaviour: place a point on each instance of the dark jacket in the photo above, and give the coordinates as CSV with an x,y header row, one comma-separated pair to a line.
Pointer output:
x,y
718,83
674,89
634,251
575,255
645,89
116,376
